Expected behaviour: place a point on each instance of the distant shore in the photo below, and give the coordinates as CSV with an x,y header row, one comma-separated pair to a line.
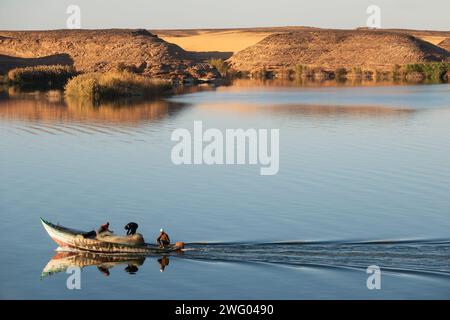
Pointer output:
x,y
199,56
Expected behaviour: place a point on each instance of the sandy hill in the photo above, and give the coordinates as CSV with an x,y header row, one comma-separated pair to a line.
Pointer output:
x,y
445,44
431,36
181,53
100,50
332,49
226,41
229,41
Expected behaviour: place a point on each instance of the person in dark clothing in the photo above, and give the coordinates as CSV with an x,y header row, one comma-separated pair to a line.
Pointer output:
x,y
163,239
131,228
90,234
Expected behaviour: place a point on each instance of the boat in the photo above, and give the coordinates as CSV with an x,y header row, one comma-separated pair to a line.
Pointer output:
x,y
87,241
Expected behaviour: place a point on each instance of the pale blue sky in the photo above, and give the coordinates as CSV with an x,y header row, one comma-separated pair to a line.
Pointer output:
x,y
172,14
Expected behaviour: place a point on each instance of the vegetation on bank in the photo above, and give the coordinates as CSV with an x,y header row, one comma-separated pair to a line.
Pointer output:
x,y
42,75
126,82
97,86
224,68
221,66
431,71
3,79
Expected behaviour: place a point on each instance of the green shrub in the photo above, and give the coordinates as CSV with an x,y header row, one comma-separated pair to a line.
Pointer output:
x,y
430,71
242,74
319,73
382,75
222,66
396,71
411,68
122,67
302,71
110,85
41,75
3,79
357,71
340,73
368,74
299,71
285,74
262,74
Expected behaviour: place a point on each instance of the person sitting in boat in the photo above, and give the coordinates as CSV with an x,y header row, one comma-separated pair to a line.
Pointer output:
x,y
104,234
163,239
131,228
104,228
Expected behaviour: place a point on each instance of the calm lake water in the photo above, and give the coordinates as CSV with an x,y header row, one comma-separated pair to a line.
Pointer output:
x,y
364,180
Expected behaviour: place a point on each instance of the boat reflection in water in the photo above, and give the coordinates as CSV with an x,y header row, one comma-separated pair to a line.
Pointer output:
x,y
63,260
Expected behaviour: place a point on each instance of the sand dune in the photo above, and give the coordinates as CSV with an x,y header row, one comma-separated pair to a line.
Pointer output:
x,y
224,41
445,44
234,40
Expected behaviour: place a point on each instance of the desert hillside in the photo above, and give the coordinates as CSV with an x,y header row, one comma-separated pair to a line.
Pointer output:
x,y
434,37
100,50
181,54
331,49
229,41
445,44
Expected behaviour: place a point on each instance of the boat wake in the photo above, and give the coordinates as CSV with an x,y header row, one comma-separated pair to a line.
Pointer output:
x,y
430,256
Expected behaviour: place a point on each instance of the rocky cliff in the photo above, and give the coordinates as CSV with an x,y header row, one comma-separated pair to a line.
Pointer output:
x,y
101,50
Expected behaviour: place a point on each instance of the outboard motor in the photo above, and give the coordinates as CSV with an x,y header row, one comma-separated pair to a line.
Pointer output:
x,y
179,245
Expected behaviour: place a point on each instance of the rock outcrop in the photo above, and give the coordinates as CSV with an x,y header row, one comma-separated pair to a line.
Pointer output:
x,y
102,50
